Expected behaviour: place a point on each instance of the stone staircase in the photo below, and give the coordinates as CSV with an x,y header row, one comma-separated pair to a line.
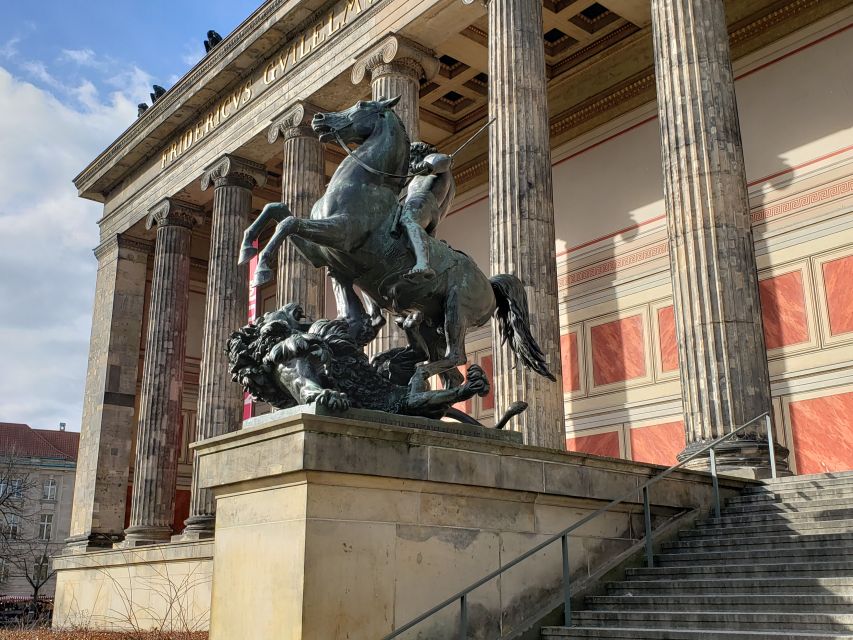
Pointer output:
x,y
778,565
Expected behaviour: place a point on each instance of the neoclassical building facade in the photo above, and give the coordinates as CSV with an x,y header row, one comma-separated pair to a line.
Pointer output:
x,y
672,180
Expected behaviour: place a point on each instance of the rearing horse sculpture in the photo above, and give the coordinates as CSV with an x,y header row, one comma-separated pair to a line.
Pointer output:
x,y
351,231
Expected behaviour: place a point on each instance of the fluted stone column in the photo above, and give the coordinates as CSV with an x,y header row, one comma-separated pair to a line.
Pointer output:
x,y
396,66
723,362
303,181
156,468
220,400
106,432
522,210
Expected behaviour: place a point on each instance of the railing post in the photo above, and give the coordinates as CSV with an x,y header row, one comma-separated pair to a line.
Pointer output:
x,y
647,515
463,618
770,445
567,585
715,482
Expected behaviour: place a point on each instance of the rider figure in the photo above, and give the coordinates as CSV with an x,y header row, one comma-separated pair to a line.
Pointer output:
x,y
427,200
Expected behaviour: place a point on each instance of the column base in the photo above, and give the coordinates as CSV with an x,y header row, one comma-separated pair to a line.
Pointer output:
x,y
92,542
197,528
746,458
141,536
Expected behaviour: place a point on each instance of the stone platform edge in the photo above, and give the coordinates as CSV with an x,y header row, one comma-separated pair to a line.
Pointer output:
x,y
305,439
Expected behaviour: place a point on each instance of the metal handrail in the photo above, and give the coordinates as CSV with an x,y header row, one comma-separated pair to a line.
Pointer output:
x,y
462,596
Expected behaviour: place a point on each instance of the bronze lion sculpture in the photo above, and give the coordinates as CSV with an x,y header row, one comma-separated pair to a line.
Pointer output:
x,y
286,360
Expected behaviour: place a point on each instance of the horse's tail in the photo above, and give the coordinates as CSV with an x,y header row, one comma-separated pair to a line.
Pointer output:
x,y
514,323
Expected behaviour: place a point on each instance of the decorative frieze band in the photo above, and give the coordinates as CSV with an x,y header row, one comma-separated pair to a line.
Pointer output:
x,y
294,122
233,170
401,51
786,206
802,200
170,211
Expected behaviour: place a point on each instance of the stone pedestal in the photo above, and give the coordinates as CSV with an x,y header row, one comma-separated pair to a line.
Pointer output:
x,y
156,468
352,526
396,66
100,488
220,401
722,356
303,182
522,211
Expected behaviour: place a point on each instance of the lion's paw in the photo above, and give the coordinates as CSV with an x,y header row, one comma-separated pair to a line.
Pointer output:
x,y
477,381
332,400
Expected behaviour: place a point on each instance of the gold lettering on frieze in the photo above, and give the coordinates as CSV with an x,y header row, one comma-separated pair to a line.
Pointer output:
x,y
296,50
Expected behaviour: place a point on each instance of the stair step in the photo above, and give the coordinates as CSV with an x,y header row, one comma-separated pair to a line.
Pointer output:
x,y
816,515
792,552
622,633
793,569
822,603
778,541
740,620
793,484
772,506
829,526
803,495
760,585
831,476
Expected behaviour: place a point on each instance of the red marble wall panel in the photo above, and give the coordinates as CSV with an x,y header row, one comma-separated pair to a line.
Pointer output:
x,y
783,309
488,403
617,351
838,282
599,444
658,443
667,338
569,356
182,509
822,430
462,406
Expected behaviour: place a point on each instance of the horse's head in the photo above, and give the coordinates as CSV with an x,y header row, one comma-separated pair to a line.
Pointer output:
x,y
355,124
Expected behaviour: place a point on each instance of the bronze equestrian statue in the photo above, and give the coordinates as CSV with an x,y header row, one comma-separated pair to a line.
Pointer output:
x,y
355,231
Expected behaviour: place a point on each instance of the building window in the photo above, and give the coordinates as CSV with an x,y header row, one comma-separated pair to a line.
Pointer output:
x,y
13,525
42,567
14,489
46,526
4,571
49,490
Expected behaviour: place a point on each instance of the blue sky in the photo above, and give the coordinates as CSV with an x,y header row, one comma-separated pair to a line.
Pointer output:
x,y
71,75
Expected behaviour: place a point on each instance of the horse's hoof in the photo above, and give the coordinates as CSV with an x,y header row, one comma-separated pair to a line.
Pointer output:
x,y
246,254
262,277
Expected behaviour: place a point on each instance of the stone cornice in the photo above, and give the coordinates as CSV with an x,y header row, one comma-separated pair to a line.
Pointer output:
x,y
293,122
121,241
169,212
230,168
396,48
240,54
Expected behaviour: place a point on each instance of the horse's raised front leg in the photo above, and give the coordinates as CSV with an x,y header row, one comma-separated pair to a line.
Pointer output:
x,y
334,233
277,211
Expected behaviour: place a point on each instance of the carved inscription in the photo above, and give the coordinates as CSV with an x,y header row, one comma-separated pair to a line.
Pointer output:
x,y
296,50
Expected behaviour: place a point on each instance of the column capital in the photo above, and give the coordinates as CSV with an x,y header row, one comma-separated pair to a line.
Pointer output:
x,y
405,56
293,122
234,170
172,212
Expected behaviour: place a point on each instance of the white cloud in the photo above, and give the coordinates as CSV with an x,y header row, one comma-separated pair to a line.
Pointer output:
x,y
193,51
83,57
47,233
9,49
